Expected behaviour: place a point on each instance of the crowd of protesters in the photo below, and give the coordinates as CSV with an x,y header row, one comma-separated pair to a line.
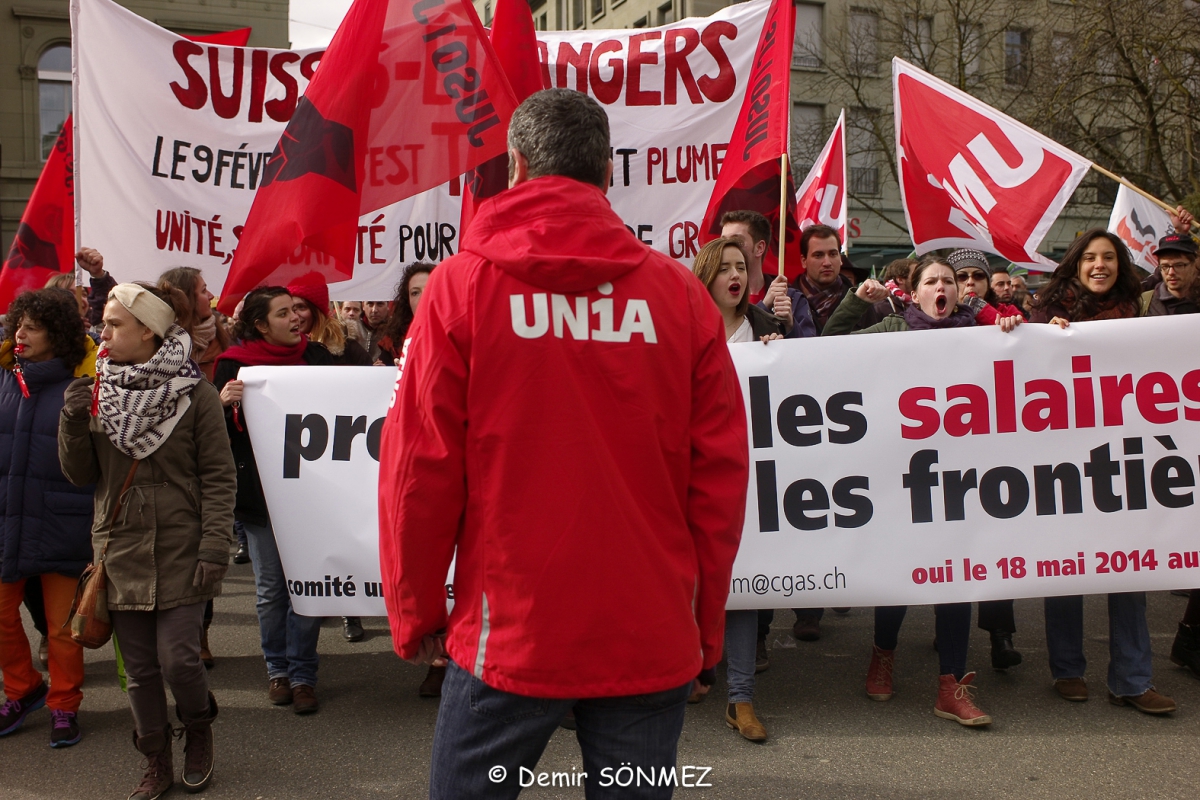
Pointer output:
x,y
122,440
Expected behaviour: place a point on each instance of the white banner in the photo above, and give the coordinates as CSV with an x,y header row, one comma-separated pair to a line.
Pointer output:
x,y
1140,224
173,137
884,469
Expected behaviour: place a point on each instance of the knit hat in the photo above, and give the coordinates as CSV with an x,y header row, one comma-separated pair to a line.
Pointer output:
x,y
966,257
312,287
145,307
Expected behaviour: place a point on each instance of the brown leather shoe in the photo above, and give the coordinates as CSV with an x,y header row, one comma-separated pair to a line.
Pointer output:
x,y
304,699
1073,689
432,685
1148,702
280,692
740,717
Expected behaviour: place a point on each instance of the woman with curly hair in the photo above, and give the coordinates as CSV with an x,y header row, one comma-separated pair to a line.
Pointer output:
x,y
46,538
404,308
1096,280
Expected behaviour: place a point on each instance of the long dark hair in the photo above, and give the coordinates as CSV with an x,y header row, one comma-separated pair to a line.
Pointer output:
x,y
256,308
1064,289
57,311
396,327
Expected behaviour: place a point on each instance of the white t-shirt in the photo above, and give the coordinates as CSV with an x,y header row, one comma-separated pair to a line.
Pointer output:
x,y
744,333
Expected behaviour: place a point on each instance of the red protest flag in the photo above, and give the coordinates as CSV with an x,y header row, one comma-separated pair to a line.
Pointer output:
x,y
407,96
821,199
45,240
971,176
750,175
514,39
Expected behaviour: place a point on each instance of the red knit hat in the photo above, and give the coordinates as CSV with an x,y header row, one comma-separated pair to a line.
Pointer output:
x,y
312,287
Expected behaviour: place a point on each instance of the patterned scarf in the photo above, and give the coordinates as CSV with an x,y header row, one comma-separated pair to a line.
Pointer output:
x,y
140,404
823,302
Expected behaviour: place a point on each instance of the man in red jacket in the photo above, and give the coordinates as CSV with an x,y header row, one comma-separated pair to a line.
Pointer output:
x,y
568,419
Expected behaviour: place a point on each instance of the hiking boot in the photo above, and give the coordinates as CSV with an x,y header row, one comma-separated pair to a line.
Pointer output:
x,y
304,699
432,685
1073,689
199,754
1004,655
807,629
280,691
879,674
762,658
740,717
1185,650
64,728
206,656
159,775
14,712
1148,702
955,701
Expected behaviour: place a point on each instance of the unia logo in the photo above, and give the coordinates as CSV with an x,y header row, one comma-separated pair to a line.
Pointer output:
x,y
572,315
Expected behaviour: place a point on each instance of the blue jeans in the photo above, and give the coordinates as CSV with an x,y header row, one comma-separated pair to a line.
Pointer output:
x,y
289,641
952,627
1129,669
741,640
481,729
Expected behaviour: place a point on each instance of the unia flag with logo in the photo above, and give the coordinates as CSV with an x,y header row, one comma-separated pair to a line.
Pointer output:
x,y
821,199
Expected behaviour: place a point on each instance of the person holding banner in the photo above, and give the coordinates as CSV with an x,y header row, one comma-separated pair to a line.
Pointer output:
x,y
46,539
769,292
974,275
721,267
1096,280
269,332
935,306
149,433
587,476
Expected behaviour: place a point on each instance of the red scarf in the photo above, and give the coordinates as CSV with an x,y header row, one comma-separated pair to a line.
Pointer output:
x,y
261,353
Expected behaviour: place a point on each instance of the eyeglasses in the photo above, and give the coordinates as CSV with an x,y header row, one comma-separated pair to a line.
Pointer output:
x,y
973,276
1174,266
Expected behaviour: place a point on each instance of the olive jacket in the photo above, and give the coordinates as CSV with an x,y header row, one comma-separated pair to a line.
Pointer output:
x,y
178,511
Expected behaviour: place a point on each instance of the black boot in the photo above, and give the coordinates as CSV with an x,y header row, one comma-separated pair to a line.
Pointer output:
x,y
199,755
1003,653
1185,651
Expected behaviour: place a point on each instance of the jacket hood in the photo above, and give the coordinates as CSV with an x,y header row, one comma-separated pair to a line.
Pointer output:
x,y
555,233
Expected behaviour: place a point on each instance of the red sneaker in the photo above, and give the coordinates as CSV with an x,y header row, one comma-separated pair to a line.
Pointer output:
x,y
955,701
879,674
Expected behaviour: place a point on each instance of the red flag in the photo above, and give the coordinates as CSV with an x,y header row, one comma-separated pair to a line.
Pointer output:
x,y
749,177
407,96
514,38
45,240
971,176
821,199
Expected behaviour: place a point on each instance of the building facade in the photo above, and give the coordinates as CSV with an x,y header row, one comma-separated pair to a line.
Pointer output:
x,y
35,75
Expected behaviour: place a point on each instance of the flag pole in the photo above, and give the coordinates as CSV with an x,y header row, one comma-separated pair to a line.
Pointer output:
x,y
783,170
1161,204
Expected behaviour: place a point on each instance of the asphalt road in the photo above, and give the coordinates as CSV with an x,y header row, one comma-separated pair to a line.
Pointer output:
x,y
372,737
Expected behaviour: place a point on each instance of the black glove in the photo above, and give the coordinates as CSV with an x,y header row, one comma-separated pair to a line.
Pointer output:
x,y
77,401
707,677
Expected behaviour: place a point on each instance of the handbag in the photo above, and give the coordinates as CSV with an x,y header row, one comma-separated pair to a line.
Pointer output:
x,y
90,624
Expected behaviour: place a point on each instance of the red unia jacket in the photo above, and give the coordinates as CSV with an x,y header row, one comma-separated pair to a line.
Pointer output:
x,y
569,419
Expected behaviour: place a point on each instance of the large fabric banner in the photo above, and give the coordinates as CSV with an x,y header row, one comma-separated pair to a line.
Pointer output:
x,y
941,466
173,138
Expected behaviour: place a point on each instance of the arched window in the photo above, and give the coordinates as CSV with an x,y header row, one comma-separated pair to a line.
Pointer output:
x,y
54,93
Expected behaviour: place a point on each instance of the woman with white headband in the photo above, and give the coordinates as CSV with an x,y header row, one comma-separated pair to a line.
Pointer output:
x,y
150,433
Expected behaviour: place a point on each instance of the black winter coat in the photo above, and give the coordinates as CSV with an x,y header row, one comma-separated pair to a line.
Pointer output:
x,y
251,502
47,519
